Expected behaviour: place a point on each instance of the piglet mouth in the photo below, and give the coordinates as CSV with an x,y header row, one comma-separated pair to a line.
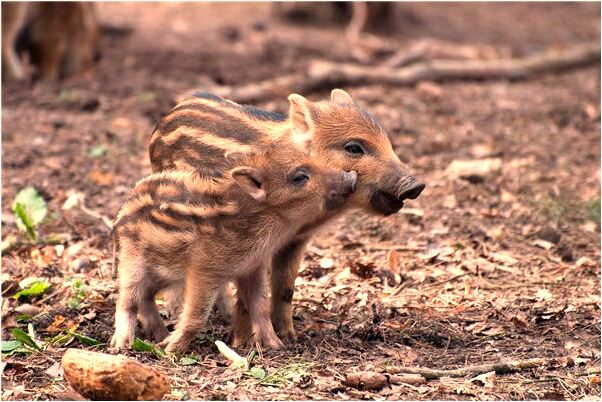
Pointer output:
x,y
387,203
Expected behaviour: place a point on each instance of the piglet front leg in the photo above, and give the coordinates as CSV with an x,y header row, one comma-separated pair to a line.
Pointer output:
x,y
252,293
200,292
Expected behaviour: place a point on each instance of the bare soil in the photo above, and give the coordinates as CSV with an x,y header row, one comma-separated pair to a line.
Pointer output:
x,y
459,277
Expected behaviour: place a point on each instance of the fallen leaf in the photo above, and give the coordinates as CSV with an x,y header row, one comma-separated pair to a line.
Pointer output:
x,y
101,178
543,294
363,270
55,371
73,199
487,380
393,261
28,309
57,325
473,170
546,245
584,262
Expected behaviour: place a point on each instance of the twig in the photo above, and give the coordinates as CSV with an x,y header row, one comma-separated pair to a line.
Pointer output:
x,y
322,74
519,68
435,49
453,278
96,215
499,368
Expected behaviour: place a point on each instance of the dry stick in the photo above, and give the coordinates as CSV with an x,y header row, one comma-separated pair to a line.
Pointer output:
x,y
321,74
499,368
96,215
436,49
435,70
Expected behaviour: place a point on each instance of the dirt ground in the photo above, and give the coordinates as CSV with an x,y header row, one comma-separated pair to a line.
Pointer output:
x,y
494,266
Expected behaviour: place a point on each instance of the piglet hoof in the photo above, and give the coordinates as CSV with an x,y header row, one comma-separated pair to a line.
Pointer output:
x,y
269,341
174,344
287,333
120,343
238,340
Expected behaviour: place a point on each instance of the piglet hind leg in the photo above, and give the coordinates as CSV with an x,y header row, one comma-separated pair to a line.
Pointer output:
x,y
200,291
125,321
152,323
133,289
252,291
241,330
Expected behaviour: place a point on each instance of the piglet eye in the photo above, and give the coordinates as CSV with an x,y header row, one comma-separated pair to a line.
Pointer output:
x,y
354,148
300,178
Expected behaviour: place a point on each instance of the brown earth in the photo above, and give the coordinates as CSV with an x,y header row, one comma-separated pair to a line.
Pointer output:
x,y
459,277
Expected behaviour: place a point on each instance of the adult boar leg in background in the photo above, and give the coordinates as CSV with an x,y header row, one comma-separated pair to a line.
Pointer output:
x,y
13,18
61,38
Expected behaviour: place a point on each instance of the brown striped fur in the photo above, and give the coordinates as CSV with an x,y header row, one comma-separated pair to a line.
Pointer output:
x,y
179,226
200,132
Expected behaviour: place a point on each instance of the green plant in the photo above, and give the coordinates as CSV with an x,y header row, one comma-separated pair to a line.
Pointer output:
x,y
286,374
30,210
97,151
140,346
31,287
592,210
78,294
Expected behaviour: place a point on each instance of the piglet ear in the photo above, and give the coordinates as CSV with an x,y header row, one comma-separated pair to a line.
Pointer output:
x,y
299,114
340,97
250,180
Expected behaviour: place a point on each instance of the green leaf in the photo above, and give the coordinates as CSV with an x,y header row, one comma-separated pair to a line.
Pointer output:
x,y
86,340
9,346
257,372
180,394
22,336
35,289
60,339
23,221
30,209
97,151
140,346
147,96
66,95
188,361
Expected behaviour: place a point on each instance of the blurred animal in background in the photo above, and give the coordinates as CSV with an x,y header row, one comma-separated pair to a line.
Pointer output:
x,y
358,15
60,39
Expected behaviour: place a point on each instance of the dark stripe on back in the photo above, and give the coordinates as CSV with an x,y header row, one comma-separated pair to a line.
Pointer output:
x,y
144,213
210,158
224,125
184,196
250,110
209,96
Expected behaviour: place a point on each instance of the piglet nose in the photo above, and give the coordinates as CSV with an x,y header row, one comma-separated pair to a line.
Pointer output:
x,y
350,181
411,189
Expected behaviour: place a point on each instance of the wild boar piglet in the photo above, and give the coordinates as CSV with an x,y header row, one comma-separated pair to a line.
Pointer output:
x,y
179,227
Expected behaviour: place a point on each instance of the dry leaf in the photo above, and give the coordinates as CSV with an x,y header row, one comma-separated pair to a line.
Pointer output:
x,y
393,260
479,168
100,178
326,263
543,294
487,380
546,245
